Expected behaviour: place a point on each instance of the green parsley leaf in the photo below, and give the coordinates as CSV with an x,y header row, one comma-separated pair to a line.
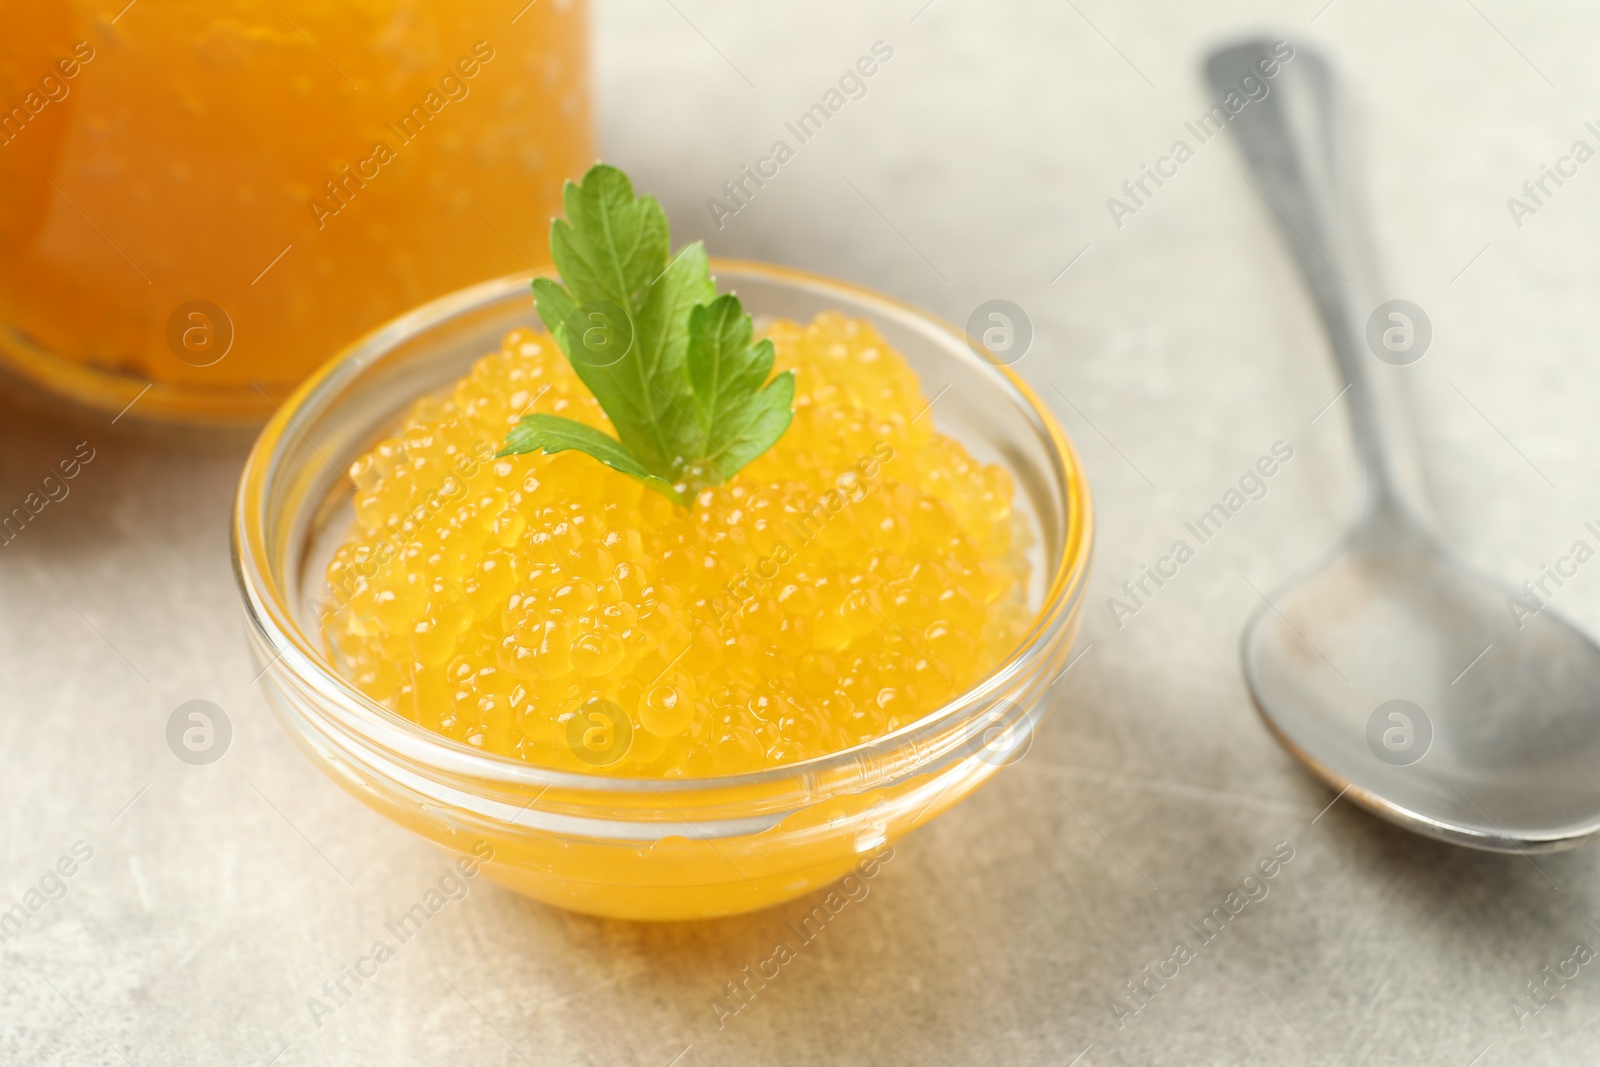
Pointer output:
x,y
670,361
739,418
552,434
611,245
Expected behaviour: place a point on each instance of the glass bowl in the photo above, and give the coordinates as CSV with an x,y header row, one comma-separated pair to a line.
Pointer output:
x,y
639,848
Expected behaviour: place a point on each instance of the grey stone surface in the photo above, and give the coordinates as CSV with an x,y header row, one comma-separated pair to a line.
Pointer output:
x,y
1177,348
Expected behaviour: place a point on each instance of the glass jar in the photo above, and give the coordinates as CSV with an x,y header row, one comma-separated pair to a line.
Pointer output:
x,y
207,198
640,848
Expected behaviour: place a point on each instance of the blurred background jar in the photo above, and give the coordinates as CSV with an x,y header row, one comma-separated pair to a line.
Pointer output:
x,y
205,199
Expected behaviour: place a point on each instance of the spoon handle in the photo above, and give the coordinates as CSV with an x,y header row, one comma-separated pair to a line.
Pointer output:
x,y
1292,143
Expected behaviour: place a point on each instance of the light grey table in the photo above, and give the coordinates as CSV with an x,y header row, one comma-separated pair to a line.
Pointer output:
x,y
1177,349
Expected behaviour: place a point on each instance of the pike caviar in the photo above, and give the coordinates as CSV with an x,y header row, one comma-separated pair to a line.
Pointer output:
x,y
848,581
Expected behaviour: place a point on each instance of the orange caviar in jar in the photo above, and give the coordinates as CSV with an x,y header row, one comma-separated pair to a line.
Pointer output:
x,y
848,581
205,200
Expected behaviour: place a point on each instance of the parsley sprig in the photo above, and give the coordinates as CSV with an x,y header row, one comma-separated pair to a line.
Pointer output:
x,y
671,362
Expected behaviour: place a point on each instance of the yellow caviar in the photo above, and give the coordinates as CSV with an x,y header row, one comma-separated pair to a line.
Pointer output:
x,y
848,581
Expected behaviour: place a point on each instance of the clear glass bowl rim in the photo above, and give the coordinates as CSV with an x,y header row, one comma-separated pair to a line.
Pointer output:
x,y
848,770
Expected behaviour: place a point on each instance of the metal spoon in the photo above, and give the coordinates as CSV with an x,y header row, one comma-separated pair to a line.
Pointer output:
x,y
1395,674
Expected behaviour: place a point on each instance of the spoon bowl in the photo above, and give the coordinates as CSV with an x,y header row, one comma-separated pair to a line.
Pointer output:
x,y
1419,689
1400,678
